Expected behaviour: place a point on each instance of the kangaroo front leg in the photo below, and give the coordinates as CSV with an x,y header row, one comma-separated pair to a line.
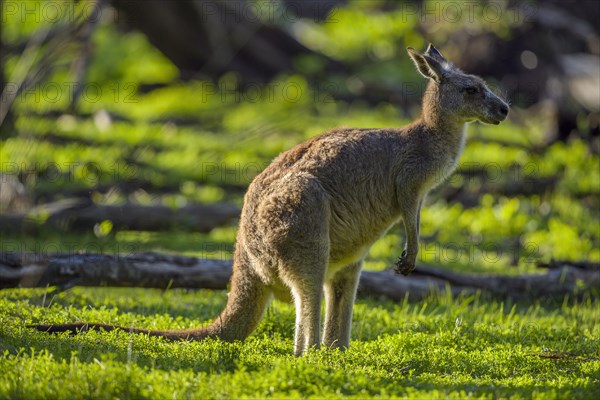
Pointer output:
x,y
406,263
340,293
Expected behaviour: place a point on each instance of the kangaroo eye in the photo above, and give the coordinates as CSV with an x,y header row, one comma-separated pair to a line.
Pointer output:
x,y
472,90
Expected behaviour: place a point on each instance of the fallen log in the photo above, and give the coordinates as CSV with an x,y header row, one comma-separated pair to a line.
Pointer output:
x,y
82,214
152,270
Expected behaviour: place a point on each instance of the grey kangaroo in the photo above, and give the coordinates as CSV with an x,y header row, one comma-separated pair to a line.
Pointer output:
x,y
310,218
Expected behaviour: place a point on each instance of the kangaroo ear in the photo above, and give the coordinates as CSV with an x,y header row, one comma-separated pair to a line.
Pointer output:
x,y
428,66
434,53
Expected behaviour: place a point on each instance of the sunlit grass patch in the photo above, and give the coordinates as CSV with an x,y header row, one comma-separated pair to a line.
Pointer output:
x,y
438,347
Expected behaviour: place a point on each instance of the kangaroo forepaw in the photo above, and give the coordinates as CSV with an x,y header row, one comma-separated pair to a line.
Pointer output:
x,y
403,265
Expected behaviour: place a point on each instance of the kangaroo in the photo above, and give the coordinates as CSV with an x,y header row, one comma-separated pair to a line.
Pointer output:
x,y
310,217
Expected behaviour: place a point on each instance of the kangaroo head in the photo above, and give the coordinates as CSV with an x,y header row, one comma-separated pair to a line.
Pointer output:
x,y
455,94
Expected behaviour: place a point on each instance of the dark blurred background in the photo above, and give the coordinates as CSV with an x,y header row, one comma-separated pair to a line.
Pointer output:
x,y
536,51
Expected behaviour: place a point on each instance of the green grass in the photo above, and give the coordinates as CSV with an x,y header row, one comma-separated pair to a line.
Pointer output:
x,y
438,348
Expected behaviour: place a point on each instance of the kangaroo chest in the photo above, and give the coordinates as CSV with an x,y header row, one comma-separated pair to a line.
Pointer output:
x,y
442,159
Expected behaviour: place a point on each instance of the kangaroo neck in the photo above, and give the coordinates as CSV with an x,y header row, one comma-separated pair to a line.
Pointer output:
x,y
439,123
436,119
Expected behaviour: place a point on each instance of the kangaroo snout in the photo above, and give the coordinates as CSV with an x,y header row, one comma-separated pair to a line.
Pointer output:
x,y
503,111
496,112
500,114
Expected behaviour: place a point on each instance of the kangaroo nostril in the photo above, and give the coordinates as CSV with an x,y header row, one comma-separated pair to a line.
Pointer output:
x,y
504,111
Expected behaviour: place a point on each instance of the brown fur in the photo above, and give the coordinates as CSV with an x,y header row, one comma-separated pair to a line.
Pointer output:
x,y
310,217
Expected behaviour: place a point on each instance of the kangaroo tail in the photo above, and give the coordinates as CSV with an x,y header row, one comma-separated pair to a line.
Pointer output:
x,y
245,306
85,326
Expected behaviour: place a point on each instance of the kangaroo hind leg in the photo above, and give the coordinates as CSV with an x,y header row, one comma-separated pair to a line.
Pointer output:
x,y
340,293
307,298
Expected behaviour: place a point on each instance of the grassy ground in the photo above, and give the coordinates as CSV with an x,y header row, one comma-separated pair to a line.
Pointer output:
x,y
439,348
